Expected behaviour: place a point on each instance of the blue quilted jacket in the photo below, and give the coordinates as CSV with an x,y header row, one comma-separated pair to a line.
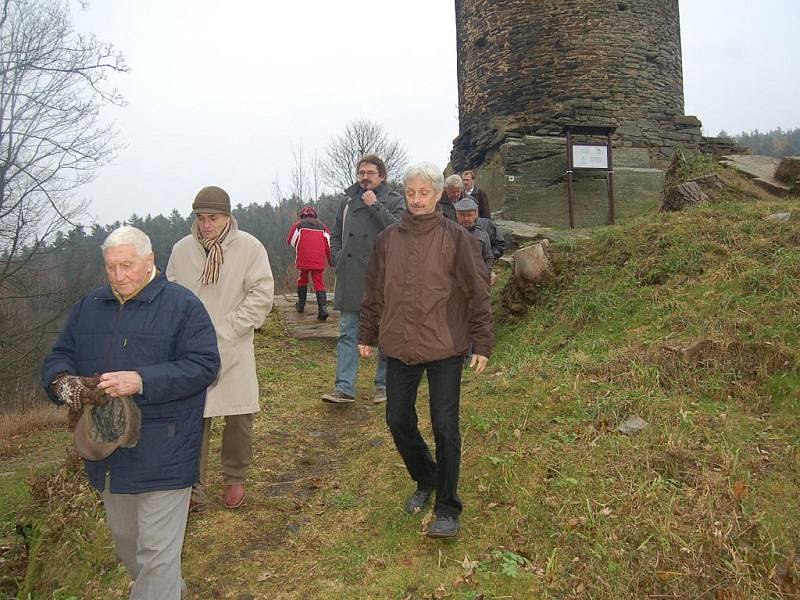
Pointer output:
x,y
166,335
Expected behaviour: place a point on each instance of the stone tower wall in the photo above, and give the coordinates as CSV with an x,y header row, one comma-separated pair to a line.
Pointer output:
x,y
531,66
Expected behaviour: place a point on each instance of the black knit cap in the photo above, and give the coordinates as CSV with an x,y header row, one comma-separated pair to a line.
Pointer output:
x,y
211,200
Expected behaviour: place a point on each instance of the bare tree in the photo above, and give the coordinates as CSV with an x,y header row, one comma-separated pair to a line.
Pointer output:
x,y
317,176
277,192
360,138
299,176
53,84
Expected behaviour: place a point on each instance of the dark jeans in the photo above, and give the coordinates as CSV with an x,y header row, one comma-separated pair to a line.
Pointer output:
x,y
444,382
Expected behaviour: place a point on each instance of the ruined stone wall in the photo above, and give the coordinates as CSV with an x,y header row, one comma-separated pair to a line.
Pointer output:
x,y
531,66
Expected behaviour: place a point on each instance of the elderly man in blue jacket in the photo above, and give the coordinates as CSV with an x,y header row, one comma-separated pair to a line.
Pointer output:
x,y
152,342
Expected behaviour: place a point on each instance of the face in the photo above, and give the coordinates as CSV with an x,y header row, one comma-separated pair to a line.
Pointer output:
x,y
467,218
211,225
421,197
453,193
468,179
368,176
126,270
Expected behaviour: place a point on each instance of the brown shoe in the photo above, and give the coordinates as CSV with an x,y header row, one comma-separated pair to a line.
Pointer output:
x,y
234,495
196,506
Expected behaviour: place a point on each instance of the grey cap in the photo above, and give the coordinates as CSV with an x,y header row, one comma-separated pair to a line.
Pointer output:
x,y
465,204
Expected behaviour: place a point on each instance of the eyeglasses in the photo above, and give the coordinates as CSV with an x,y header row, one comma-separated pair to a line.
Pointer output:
x,y
367,173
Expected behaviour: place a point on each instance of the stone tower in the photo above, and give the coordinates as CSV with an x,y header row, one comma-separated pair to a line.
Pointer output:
x,y
528,67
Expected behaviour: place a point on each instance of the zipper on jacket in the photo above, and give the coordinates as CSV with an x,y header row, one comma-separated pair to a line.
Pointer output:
x,y
114,337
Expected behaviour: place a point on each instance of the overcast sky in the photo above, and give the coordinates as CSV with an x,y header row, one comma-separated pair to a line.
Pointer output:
x,y
219,90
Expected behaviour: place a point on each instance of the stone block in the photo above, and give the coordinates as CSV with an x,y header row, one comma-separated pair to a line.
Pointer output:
x,y
688,120
635,190
632,157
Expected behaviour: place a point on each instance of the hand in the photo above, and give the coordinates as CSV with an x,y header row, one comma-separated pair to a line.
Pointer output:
x,y
479,362
364,351
121,383
369,197
76,391
92,394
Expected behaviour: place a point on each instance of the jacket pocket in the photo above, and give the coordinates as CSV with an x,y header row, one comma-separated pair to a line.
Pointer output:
x,y
158,455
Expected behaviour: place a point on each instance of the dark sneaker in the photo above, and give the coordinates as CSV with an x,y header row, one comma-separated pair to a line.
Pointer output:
x,y
418,501
338,397
380,396
443,528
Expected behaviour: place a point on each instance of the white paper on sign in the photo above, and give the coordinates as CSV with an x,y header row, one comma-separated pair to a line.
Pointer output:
x,y
589,157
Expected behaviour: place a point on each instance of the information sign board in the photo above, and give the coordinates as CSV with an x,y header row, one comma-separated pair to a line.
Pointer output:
x,y
589,156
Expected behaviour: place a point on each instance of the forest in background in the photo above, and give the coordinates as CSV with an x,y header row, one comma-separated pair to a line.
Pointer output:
x,y
777,142
65,269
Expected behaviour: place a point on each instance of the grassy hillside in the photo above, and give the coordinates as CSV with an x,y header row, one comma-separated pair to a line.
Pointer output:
x,y
688,321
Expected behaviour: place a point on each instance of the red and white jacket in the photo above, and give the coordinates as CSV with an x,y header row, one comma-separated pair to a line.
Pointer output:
x,y
312,241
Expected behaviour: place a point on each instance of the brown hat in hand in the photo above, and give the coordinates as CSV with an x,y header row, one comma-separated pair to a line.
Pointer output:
x,y
210,200
102,429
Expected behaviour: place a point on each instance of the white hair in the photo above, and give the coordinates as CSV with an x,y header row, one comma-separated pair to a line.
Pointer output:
x,y
426,170
454,181
129,235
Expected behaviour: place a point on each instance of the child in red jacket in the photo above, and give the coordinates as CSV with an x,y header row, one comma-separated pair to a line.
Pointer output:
x,y
312,241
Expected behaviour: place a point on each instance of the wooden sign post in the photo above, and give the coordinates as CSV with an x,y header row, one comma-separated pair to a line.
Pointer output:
x,y
587,155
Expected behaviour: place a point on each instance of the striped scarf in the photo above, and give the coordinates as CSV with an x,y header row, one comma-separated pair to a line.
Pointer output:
x,y
214,258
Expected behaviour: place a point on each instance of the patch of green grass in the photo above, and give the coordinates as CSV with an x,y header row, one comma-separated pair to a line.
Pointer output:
x,y
344,500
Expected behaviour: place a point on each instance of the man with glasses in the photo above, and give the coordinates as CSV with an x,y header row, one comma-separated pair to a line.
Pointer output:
x,y
369,207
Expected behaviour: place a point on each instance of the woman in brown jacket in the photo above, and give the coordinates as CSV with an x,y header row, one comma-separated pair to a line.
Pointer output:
x,y
426,299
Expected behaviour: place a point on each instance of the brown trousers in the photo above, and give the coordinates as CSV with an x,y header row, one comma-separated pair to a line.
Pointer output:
x,y
237,452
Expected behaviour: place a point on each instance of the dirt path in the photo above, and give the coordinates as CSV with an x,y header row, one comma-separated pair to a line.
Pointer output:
x,y
301,446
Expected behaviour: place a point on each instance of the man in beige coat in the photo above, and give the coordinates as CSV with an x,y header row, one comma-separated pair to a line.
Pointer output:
x,y
229,271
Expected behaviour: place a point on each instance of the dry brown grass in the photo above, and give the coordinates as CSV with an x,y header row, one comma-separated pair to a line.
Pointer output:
x,y
15,426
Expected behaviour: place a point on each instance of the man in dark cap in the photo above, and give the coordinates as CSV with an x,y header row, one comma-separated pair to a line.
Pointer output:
x,y
229,271
153,343
467,216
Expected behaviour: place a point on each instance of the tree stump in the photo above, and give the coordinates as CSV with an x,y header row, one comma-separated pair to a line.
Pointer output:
x,y
788,172
532,269
695,191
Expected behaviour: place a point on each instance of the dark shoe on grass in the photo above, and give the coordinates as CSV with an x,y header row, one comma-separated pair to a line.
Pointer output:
x,y
443,528
338,397
418,500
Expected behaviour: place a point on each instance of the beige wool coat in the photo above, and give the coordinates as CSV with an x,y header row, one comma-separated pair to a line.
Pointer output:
x,y
238,304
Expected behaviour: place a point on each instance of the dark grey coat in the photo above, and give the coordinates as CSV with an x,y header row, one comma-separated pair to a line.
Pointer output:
x,y
352,237
482,237
495,236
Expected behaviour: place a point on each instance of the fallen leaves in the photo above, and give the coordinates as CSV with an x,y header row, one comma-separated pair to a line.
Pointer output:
x,y
739,490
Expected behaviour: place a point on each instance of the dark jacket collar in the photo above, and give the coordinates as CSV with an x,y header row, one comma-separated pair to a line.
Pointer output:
x,y
147,293
420,224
